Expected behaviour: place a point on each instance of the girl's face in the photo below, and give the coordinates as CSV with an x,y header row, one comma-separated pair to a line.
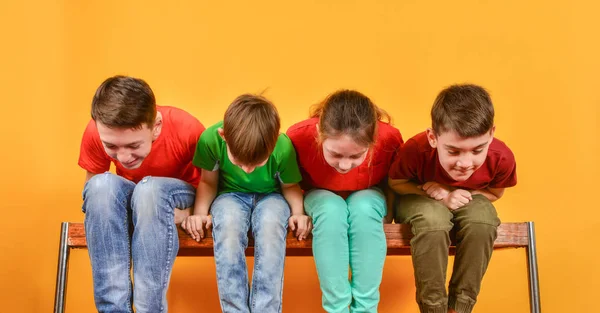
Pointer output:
x,y
343,153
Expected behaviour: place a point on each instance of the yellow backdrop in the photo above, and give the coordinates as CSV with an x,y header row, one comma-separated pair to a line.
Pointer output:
x,y
539,59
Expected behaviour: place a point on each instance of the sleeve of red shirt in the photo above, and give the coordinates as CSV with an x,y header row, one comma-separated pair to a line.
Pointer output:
x,y
506,173
406,163
196,129
92,156
294,134
398,137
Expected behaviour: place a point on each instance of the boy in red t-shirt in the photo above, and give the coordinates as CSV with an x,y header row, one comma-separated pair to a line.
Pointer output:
x,y
152,148
448,177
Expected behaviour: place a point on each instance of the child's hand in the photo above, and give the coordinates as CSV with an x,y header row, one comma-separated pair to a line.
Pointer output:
x,y
194,225
435,190
302,224
457,199
388,219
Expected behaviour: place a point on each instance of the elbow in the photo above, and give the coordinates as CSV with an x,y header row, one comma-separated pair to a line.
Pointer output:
x,y
498,193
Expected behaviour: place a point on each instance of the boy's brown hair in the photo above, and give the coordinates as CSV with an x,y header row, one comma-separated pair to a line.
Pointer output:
x,y
351,113
124,102
466,109
251,128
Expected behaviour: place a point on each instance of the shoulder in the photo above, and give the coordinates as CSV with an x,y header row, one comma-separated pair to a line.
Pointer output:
x,y
284,148
91,127
303,129
417,143
178,117
389,134
499,146
501,152
90,134
211,135
283,143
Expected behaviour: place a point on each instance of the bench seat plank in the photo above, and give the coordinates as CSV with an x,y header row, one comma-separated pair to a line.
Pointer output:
x,y
510,235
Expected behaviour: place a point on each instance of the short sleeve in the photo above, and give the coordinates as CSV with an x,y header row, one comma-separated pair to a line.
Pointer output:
x,y
287,164
506,172
207,153
195,131
406,163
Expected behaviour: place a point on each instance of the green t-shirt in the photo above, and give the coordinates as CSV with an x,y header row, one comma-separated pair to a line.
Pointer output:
x,y
211,155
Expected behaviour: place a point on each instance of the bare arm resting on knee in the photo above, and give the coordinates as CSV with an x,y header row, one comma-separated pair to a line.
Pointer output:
x,y
491,194
405,187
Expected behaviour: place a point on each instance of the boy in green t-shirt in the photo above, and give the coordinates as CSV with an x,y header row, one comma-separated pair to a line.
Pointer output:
x,y
251,169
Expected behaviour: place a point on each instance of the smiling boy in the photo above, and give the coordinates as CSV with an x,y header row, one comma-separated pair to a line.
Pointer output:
x,y
130,216
448,177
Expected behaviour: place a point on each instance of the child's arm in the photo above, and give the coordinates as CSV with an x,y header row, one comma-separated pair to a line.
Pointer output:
x,y
430,189
298,221
205,194
491,194
450,197
405,187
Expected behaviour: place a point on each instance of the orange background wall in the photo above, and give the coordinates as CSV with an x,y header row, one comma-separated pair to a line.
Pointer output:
x,y
539,59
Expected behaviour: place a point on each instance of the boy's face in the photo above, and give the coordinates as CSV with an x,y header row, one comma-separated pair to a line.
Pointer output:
x,y
128,146
343,153
460,157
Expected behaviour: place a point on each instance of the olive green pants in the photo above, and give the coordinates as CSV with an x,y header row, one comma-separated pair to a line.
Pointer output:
x,y
431,222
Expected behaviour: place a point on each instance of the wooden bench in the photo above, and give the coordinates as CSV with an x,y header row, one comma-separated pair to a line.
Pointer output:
x,y
510,235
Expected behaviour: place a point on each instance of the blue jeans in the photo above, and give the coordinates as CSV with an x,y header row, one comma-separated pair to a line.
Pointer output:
x,y
348,232
112,205
233,214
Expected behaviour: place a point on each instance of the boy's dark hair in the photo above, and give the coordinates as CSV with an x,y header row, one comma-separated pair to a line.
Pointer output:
x,y
251,128
466,109
351,113
124,102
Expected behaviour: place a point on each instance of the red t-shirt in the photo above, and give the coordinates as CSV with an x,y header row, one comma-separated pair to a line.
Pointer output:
x,y
171,154
316,173
418,162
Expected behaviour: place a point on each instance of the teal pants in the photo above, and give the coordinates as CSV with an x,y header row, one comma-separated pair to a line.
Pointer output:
x,y
348,233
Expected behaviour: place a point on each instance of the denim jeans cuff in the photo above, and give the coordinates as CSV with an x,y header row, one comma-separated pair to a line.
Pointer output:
x,y
461,305
424,308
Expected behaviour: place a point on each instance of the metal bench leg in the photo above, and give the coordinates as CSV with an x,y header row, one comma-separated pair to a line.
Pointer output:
x,y
61,272
534,283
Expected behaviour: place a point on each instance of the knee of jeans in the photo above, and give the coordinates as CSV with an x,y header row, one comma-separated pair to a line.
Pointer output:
x,y
275,208
102,185
146,197
366,205
103,191
230,243
270,239
229,230
271,219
